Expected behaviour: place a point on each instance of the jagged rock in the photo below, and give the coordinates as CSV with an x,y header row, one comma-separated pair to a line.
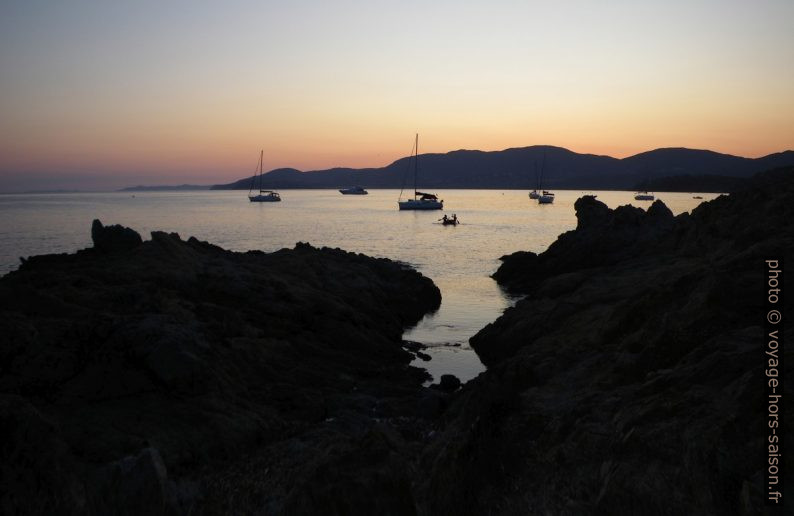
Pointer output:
x,y
423,356
590,212
629,381
136,484
184,358
116,238
447,383
432,404
602,237
39,475
659,211
413,346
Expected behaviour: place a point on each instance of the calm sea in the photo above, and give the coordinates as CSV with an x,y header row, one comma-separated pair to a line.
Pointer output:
x,y
459,259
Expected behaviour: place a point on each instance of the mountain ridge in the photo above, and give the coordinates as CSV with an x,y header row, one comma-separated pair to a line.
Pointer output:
x,y
515,168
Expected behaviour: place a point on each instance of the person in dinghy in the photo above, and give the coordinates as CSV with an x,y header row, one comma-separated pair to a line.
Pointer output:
x,y
449,221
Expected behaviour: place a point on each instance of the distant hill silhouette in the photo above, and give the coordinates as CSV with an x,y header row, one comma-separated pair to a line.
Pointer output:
x,y
515,168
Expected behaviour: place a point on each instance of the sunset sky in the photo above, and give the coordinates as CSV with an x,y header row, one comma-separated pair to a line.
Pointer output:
x,y
100,95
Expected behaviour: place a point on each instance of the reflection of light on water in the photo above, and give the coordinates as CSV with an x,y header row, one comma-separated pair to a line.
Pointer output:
x,y
462,362
458,259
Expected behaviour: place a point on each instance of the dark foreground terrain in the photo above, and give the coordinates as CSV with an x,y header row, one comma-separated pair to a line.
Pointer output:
x,y
630,380
173,377
168,377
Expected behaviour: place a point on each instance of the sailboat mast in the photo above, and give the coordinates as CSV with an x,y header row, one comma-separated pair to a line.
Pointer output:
x,y
261,156
416,162
254,178
537,177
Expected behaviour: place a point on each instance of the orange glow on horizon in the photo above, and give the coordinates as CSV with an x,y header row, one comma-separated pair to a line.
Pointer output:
x,y
194,102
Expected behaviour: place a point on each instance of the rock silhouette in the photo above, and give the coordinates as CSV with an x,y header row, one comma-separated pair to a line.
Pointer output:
x,y
630,379
114,238
146,377
174,377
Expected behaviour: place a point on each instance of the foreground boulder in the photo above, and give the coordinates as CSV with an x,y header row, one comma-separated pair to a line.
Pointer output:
x,y
114,238
630,379
602,237
173,377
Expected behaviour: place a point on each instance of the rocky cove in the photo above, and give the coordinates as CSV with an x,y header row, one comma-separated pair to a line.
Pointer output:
x,y
170,376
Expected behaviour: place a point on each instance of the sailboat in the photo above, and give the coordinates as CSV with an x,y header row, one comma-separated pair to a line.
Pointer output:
x,y
544,197
534,194
421,200
264,195
644,195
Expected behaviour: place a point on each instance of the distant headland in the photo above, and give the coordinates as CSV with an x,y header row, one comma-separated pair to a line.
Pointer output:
x,y
666,169
519,168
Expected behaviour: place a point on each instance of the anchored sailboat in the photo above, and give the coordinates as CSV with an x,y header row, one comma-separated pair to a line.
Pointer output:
x,y
264,195
534,194
421,200
544,196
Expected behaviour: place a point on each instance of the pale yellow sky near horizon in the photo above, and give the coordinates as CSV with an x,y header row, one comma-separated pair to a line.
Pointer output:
x,y
97,95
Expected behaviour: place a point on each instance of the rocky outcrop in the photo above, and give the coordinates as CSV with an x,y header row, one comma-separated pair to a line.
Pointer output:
x,y
602,237
630,379
114,238
173,377
447,383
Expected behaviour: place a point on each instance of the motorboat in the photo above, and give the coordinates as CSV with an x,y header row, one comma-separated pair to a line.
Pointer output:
x,y
354,190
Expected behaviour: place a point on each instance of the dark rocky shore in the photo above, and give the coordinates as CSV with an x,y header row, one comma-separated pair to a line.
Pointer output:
x,y
630,379
173,377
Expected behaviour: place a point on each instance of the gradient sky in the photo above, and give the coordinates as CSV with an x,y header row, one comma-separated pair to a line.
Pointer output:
x,y
98,95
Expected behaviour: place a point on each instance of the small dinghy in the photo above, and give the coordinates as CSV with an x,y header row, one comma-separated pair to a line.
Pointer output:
x,y
449,221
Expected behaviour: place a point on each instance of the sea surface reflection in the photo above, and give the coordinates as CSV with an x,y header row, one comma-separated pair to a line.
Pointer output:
x,y
459,259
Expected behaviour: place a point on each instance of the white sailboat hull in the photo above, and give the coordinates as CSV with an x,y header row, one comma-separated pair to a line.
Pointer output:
x,y
546,197
264,198
421,204
264,195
